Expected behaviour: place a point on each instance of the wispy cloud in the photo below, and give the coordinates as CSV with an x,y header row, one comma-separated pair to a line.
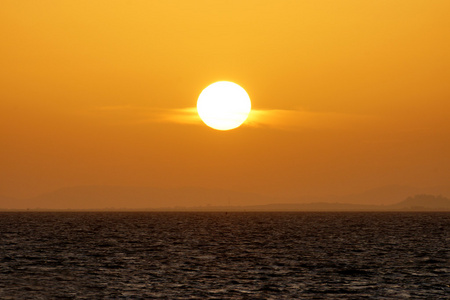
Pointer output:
x,y
269,118
298,119
141,114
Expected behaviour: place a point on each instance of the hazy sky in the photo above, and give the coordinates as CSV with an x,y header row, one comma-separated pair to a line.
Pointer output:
x,y
347,95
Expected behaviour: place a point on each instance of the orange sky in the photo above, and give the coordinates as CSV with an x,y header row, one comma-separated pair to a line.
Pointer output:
x,y
347,95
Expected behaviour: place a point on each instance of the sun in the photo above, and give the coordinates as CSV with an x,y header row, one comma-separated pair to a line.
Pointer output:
x,y
223,105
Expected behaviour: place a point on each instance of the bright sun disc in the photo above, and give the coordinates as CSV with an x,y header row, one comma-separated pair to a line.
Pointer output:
x,y
223,105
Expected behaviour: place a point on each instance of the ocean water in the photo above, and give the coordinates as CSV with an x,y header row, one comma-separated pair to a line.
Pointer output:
x,y
224,255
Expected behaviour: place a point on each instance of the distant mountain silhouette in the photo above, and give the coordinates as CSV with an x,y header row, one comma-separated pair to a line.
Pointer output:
x,y
117,197
424,202
313,206
388,195
188,198
415,203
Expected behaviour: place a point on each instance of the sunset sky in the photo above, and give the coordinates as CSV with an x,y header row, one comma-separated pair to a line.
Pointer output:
x,y
346,95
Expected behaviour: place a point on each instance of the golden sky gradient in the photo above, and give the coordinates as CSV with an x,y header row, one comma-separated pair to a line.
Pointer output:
x,y
347,95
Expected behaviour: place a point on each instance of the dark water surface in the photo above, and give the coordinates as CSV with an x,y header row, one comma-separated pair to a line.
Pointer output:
x,y
223,256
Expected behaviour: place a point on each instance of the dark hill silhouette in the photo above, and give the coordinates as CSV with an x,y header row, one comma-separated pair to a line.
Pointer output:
x,y
415,203
117,197
385,195
147,198
388,195
424,202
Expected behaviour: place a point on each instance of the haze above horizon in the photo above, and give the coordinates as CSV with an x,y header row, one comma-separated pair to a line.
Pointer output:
x,y
346,96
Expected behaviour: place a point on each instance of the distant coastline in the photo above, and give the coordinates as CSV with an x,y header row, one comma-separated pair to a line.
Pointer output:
x,y
56,201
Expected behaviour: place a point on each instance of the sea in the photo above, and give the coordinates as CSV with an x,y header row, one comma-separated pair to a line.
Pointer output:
x,y
220,255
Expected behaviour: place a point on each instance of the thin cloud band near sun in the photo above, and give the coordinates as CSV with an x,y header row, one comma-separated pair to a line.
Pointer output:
x,y
225,105
281,119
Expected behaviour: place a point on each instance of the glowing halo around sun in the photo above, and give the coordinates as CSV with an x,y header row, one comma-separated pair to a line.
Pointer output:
x,y
223,105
